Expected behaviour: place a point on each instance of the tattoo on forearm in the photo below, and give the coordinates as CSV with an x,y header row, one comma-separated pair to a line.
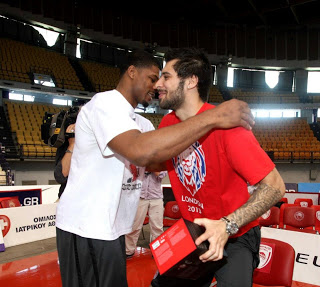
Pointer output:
x,y
261,200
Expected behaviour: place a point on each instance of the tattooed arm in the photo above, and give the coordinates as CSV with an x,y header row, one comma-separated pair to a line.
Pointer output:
x,y
267,193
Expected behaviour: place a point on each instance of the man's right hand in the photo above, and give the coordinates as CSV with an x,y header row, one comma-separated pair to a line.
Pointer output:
x,y
234,113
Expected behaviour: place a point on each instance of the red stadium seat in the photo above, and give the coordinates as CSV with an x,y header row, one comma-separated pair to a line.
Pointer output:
x,y
271,218
171,213
304,202
317,217
276,263
7,202
282,207
299,218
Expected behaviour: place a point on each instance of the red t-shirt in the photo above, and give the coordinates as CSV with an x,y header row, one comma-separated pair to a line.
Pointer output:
x,y
210,179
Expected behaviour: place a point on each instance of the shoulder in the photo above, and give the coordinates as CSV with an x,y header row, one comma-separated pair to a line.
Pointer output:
x,y
97,100
108,103
234,133
143,122
207,106
237,138
106,96
169,119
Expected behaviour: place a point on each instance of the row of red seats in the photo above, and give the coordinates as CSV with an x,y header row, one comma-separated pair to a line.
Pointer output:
x,y
302,215
305,202
282,266
292,216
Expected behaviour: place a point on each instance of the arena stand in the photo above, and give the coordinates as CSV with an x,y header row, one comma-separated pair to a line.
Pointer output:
x,y
19,60
264,97
25,121
102,77
286,140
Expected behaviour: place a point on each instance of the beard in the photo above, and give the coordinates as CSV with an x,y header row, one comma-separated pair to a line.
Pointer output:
x,y
176,99
145,104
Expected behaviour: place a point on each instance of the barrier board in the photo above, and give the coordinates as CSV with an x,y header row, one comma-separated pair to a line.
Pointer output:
x,y
306,246
308,187
49,192
26,224
293,195
2,246
291,187
25,196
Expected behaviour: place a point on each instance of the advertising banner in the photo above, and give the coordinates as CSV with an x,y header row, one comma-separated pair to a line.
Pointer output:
x,y
25,196
2,247
291,187
49,193
26,224
308,187
306,246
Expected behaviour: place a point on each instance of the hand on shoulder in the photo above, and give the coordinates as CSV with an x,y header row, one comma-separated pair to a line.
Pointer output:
x,y
234,113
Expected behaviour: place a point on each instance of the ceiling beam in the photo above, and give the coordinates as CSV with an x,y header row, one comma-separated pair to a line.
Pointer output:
x,y
262,18
293,4
294,12
222,9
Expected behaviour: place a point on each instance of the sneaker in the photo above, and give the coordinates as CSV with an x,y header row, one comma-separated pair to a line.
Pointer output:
x,y
130,255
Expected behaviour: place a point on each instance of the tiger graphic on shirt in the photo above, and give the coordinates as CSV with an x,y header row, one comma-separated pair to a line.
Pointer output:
x,y
190,167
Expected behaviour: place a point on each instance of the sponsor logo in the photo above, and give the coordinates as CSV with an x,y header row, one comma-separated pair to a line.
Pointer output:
x,y
299,215
265,254
318,215
303,204
134,171
31,201
131,180
4,224
304,258
12,203
175,208
190,168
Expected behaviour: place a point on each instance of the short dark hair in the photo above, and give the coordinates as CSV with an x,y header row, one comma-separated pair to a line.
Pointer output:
x,y
139,59
192,61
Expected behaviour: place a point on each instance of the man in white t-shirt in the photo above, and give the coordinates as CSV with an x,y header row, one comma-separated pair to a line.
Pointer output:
x,y
95,210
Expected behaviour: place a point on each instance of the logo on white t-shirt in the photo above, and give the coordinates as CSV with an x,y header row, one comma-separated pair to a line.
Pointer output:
x,y
190,167
131,177
134,171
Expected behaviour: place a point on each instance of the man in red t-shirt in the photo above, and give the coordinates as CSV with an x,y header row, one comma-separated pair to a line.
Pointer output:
x,y
210,179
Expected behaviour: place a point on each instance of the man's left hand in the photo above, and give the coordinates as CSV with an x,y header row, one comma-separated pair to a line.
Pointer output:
x,y
216,235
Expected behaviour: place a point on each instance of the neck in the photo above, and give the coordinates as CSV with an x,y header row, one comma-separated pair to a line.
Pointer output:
x,y
189,109
123,89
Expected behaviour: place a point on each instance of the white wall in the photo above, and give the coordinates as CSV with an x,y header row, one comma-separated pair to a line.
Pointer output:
x,y
41,171
298,172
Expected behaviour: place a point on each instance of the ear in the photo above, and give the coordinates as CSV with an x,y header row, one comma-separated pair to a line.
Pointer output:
x,y
192,82
131,71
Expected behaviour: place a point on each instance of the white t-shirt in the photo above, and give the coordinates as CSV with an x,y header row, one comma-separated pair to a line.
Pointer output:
x,y
95,204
